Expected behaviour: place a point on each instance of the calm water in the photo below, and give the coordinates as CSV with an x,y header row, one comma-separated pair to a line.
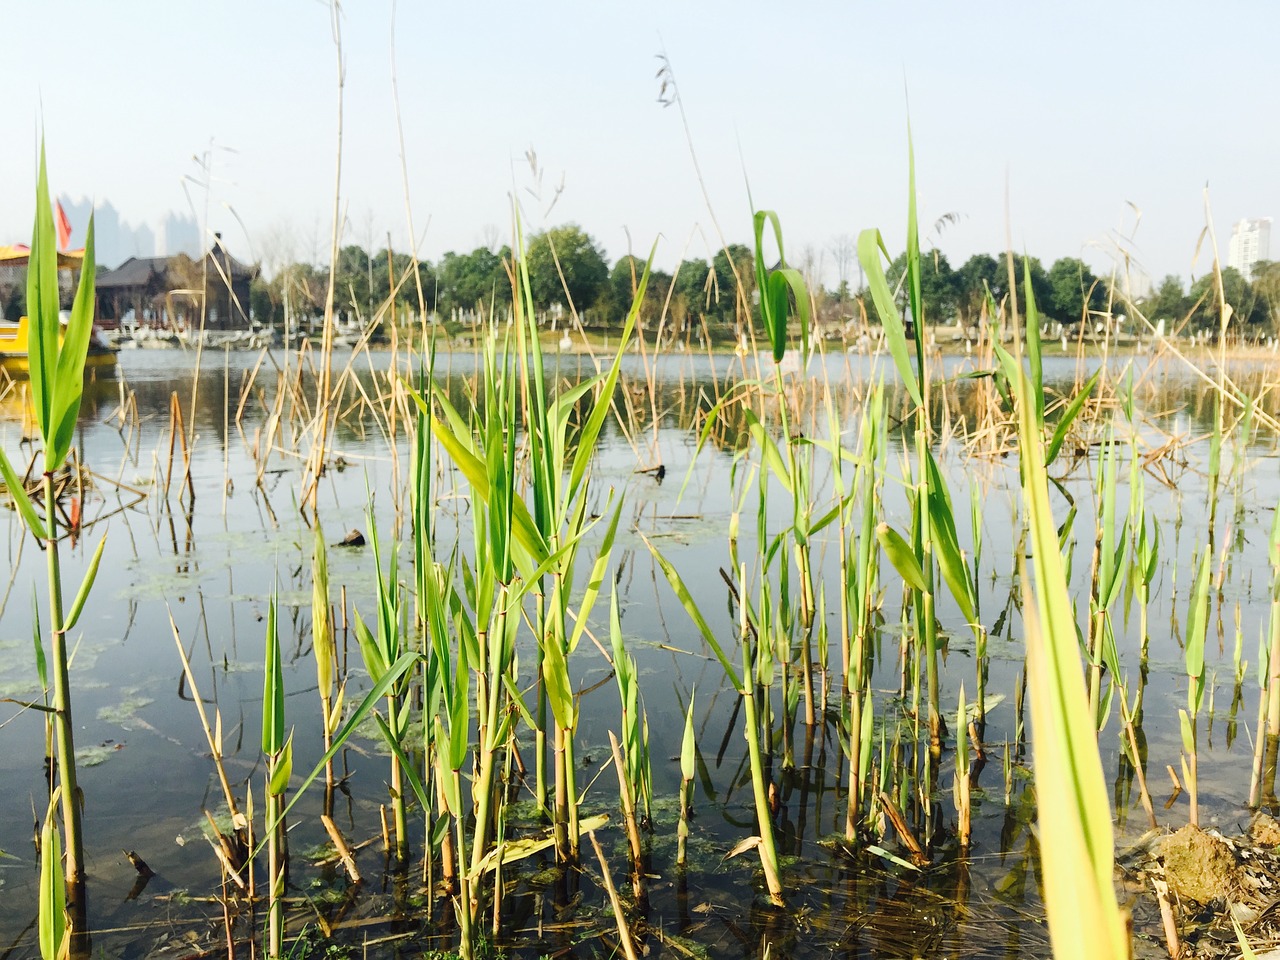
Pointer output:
x,y
147,776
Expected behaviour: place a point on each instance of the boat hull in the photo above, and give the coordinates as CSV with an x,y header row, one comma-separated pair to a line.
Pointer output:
x,y
15,360
19,364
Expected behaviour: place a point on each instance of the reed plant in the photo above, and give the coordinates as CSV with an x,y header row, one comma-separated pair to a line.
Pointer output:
x,y
688,758
278,751
1109,559
324,649
859,560
379,651
634,742
961,784
1193,646
744,683
1076,837
559,481
934,546
57,361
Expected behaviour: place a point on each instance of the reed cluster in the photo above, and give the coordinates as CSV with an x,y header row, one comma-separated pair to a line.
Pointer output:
x,y
852,570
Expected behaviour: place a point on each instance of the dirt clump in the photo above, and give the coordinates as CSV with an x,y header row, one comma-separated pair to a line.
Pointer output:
x,y
1199,866
1265,831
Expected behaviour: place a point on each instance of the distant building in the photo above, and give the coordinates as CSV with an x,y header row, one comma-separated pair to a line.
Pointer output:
x,y
118,240
178,233
172,292
1250,242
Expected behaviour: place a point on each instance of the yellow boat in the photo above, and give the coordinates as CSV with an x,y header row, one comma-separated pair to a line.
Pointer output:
x,y
13,350
14,358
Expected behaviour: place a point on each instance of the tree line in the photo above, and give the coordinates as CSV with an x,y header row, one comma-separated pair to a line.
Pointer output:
x,y
568,271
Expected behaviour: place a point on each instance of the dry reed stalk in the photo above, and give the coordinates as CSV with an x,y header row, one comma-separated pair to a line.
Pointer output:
x,y
320,439
619,916
1167,920
905,833
628,813
213,734
340,844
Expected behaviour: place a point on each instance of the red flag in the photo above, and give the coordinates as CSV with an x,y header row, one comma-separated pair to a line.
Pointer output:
x,y
64,227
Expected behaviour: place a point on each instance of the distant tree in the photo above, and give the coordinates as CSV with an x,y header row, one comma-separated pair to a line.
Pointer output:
x,y
978,274
581,261
295,292
1267,286
396,273
475,281
1074,290
656,297
624,279
725,295
352,289
691,284
844,251
939,286
1168,303
1041,289
1247,308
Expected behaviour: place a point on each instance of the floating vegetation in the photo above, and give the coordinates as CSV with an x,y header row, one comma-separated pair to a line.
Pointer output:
x,y
96,755
124,712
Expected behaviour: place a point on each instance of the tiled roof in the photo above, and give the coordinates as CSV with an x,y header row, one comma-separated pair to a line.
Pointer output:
x,y
134,272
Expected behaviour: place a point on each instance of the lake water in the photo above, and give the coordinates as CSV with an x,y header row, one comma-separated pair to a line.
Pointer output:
x,y
211,565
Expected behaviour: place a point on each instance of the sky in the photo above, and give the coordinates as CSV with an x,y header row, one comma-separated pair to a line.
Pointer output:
x,y
1080,129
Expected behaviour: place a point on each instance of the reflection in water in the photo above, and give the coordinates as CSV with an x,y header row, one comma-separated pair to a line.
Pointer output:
x,y
210,552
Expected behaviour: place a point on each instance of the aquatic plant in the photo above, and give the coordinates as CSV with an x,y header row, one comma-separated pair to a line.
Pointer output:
x,y
57,362
1076,838
278,751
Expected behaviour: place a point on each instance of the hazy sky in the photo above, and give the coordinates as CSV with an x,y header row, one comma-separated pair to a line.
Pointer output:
x,y
1056,115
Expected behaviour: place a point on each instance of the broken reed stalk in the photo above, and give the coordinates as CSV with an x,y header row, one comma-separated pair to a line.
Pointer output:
x,y
628,813
619,915
213,734
344,850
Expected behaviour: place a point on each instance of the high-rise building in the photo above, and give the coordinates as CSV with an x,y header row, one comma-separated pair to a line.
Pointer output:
x,y
1250,242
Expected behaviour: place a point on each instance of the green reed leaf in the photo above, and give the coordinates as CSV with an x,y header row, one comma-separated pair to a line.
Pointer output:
x,y
69,380
691,607
272,688
281,769
688,745
407,766
1069,417
42,312
77,605
1198,619
870,247
358,716
26,509
902,557
53,890
323,647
